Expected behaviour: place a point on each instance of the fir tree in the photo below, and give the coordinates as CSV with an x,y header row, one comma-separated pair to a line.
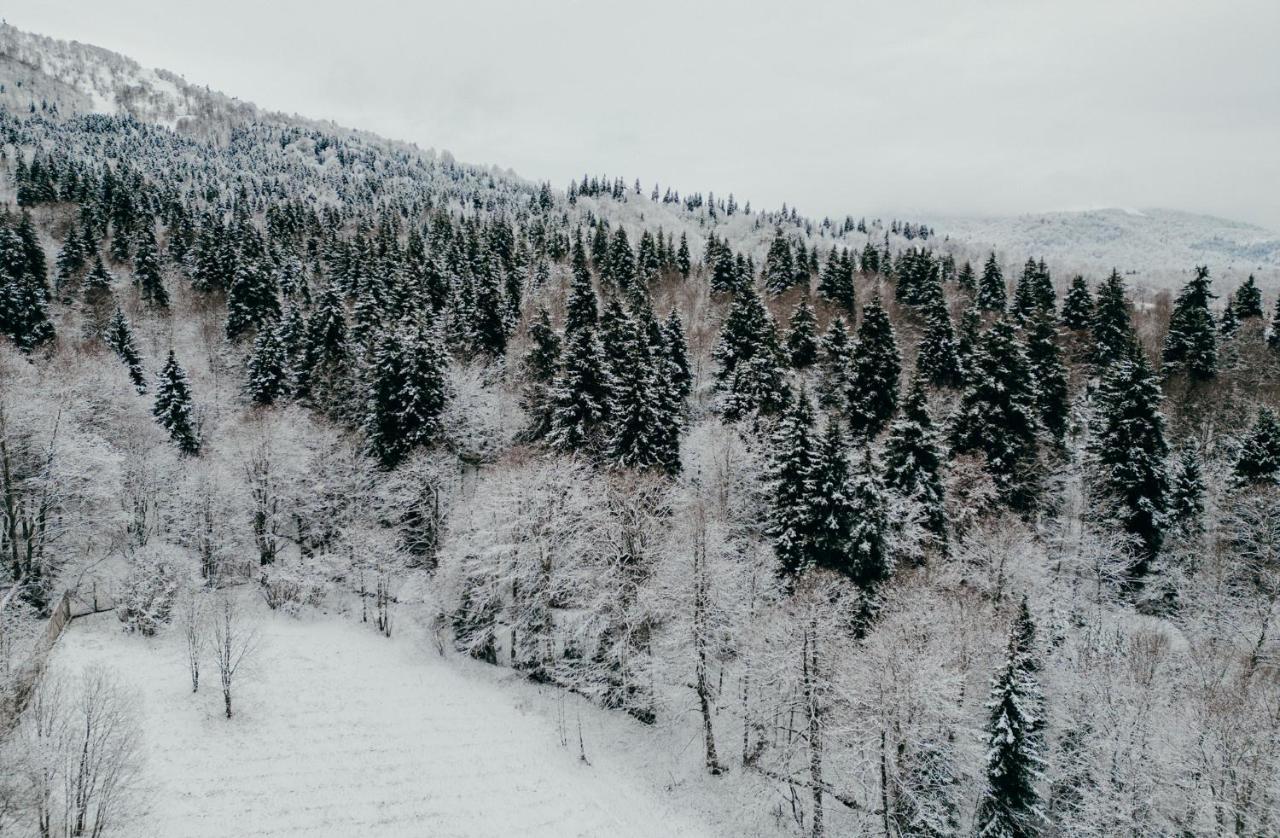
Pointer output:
x,y
748,355
1273,334
173,408
991,295
1010,805
836,283
873,381
1248,299
1191,345
830,508
678,355
578,393
913,458
967,279
998,415
682,257
1186,493
252,299
640,426
791,520
146,270
407,393
1129,447
1049,375
1077,306
938,355
802,341
267,369
779,268
1229,323
1113,336
581,309
488,328
1033,294
869,559
543,354
24,291
834,365
97,284
1259,458
120,338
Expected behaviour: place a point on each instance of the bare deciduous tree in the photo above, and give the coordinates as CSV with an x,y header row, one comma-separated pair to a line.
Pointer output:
x,y
233,641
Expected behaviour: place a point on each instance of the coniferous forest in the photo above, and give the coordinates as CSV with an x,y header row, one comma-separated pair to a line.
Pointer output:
x,y
924,539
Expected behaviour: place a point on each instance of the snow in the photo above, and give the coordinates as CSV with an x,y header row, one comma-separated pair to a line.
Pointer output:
x,y
340,731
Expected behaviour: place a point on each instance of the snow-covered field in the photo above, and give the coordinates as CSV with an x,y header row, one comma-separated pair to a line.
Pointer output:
x,y
339,731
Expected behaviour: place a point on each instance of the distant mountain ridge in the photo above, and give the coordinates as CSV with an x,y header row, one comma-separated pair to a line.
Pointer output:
x,y
1153,244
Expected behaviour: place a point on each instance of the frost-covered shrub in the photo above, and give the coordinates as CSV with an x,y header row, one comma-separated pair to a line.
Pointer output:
x,y
148,590
289,585
481,419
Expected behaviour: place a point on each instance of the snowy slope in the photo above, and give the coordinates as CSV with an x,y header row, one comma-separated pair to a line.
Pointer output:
x,y
341,732
1159,246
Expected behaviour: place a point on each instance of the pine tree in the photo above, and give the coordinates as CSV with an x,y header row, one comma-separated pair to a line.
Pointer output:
x,y
267,369
869,560
873,384
639,428
488,328
748,355
992,295
1033,294
120,338
1259,458
1129,448
678,354
97,284
791,519
543,354
173,408
802,341
829,507
1248,299
1077,306
834,366
1113,336
1186,493
1229,323
779,267
578,393
967,279
146,269
252,299
1049,374
938,355
998,416
1273,334
836,283
1010,805
1191,345
24,291
581,309
913,458
407,392
682,257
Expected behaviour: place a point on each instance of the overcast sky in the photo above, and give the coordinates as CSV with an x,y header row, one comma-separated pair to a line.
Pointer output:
x,y
982,107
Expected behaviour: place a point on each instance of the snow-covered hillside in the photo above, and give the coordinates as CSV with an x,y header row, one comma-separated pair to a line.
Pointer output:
x,y
1156,246
341,732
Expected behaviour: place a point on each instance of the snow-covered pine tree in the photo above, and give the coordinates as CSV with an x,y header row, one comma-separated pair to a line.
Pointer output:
x,y
779,267
24,292
992,294
146,269
578,393
1010,803
1258,459
1191,346
802,340
581,309
1113,336
1033,294
873,378
938,355
869,560
252,299
1186,493
913,458
998,415
120,338
1130,450
833,366
267,369
1273,333
682,257
1248,299
830,507
407,392
488,327
748,355
173,408
967,279
678,354
639,423
791,518
1077,306
1048,374
1228,323
97,283
836,283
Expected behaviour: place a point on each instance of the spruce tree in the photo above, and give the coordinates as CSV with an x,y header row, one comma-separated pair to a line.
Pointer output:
x,y
488,327
967,279
97,284
836,283
834,366
1077,306
1186,493
678,354
998,415
1010,804
749,374
120,338
407,392
682,257
1273,334
830,508
267,371
581,309
938,355
913,458
146,269
991,295
252,299
869,560
639,429
1248,299
802,340
1191,345
1229,323
791,519
24,292
543,354
1129,448
1258,460
578,393
1033,294
1113,336
779,267
1048,374
873,380
173,407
